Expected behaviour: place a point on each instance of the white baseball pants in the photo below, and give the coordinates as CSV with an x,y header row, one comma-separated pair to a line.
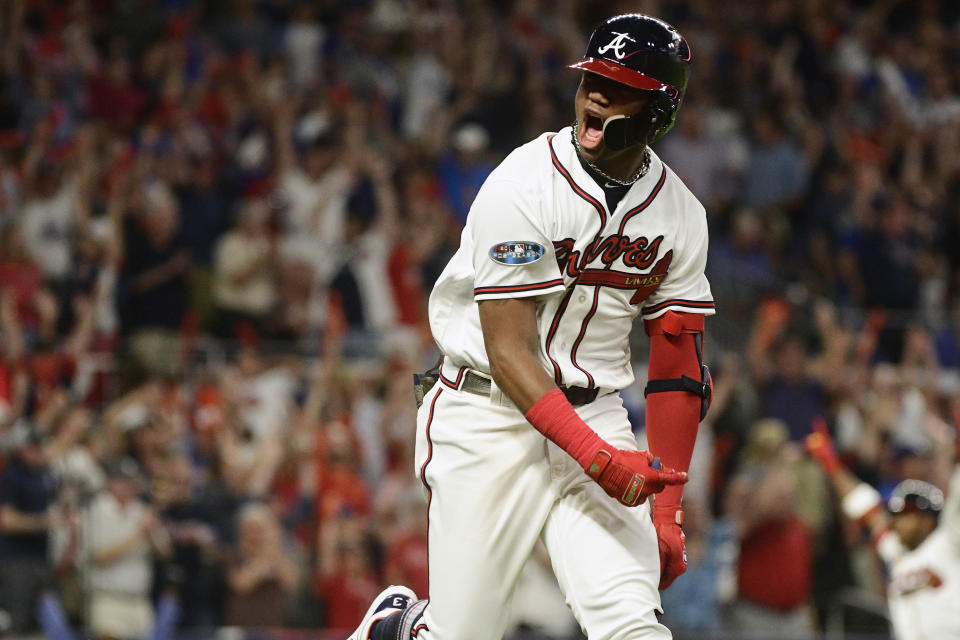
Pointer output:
x,y
494,486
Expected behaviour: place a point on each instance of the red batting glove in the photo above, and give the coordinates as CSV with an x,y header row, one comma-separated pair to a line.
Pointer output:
x,y
668,520
630,476
819,445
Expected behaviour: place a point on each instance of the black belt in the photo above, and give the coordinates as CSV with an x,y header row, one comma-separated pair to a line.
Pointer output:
x,y
475,383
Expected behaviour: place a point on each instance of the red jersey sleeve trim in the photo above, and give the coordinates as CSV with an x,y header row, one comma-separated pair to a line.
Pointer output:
x,y
700,305
519,288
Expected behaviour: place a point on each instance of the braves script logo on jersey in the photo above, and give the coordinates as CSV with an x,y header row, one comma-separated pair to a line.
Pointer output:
x,y
516,252
637,253
617,44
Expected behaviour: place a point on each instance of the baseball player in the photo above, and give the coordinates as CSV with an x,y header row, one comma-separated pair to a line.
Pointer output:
x,y
917,536
524,436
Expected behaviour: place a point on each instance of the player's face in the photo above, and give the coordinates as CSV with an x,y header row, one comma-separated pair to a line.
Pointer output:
x,y
913,527
598,98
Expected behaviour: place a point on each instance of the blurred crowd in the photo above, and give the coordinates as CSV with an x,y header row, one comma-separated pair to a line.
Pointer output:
x,y
220,221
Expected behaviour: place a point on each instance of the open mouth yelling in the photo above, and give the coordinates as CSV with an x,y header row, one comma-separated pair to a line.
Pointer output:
x,y
591,133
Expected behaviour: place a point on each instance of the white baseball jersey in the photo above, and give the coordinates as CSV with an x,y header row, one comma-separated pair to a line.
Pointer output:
x,y
924,589
540,227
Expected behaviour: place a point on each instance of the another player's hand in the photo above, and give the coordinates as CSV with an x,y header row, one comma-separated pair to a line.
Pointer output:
x,y
631,476
672,543
819,445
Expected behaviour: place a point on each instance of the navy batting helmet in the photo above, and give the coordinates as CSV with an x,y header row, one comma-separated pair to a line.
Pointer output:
x,y
915,495
646,53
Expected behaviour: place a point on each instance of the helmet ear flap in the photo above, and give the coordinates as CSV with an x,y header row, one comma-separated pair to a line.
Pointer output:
x,y
661,112
645,127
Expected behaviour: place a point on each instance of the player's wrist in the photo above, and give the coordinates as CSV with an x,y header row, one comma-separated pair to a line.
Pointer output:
x,y
861,502
554,417
600,462
671,498
667,513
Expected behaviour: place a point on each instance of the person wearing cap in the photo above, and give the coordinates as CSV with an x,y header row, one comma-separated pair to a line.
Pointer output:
x,y
121,534
917,536
522,434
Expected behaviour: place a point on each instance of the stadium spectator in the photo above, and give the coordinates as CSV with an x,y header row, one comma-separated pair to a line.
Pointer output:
x,y
362,284
153,280
743,257
48,220
426,83
889,259
774,569
244,286
822,138
21,279
789,390
706,160
260,576
204,198
464,170
190,519
777,171
314,185
27,493
122,535
114,96
345,579
405,560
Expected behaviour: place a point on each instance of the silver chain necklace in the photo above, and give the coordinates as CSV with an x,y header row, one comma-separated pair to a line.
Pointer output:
x,y
642,171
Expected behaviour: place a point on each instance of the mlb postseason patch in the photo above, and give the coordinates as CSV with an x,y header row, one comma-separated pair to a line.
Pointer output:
x,y
516,252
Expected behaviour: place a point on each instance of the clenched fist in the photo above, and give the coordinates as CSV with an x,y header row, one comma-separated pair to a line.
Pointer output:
x,y
668,522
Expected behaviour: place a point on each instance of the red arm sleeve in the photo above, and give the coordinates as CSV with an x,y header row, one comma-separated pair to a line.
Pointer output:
x,y
673,416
